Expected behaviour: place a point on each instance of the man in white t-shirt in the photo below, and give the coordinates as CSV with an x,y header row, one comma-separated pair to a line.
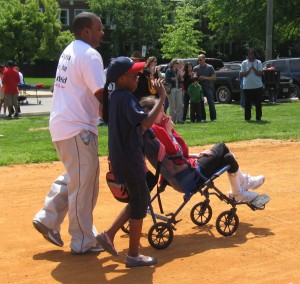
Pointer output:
x,y
76,106
251,71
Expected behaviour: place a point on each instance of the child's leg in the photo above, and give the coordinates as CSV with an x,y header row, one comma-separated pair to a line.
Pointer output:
x,y
135,227
192,112
198,112
118,223
203,113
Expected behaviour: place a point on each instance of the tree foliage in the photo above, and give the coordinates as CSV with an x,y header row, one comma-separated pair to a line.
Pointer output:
x,y
180,39
133,23
28,33
245,21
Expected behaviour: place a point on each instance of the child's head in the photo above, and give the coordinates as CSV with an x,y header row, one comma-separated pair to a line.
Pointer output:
x,y
124,72
195,80
148,103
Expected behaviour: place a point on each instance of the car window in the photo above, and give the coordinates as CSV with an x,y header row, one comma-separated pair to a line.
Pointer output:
x,y
279,65
295,65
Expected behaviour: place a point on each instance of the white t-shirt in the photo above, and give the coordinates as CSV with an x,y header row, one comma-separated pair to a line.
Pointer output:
x,y
79,76
21,78
252,81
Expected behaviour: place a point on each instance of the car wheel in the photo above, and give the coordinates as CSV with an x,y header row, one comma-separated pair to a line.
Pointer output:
x,y
296,92
223,95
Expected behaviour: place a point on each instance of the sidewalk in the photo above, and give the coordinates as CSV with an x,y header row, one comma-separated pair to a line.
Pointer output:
x,y
38,103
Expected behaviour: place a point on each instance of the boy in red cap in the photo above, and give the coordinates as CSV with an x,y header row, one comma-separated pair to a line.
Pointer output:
x,y
127,122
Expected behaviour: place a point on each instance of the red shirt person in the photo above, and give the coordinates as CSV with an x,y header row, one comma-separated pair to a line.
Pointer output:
x,y
10,82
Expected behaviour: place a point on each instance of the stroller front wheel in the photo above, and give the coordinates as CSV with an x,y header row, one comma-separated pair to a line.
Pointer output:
x,y
160,235
227,223
201,213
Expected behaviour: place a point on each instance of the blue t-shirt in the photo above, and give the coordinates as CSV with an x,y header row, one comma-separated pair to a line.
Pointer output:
x,y
125,138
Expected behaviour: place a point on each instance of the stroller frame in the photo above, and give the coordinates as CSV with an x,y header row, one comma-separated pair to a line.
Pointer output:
x,y
161,233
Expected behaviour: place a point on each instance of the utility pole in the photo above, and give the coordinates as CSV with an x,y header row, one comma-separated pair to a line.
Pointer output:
x,y
269,30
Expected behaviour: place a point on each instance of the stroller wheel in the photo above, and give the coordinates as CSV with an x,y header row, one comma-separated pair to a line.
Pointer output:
x,y
125,227
227,223
201,213
160,235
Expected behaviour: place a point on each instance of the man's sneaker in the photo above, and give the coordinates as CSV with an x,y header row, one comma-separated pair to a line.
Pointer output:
x,y
251,182
95,248
244,196
140,260
49,234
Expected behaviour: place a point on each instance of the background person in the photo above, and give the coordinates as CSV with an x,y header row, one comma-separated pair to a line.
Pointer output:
x,y
272,90
10,81
197,100
2,101
187,80
251,71
173,77
206,74
73,126
146,77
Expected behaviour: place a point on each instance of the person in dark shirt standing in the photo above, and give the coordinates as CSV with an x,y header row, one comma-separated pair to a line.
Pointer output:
x,y
206,74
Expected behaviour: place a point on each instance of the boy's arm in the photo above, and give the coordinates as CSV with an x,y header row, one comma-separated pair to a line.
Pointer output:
x,y
148,121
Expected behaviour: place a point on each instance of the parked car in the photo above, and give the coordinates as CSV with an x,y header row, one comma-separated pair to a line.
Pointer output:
x,y
289,67
232,66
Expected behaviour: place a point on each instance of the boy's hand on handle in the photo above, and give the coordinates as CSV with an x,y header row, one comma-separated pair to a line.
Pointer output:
x,y
160,88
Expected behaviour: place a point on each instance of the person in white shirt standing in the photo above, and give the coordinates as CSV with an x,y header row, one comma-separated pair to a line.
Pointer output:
x,y
76,106
251,71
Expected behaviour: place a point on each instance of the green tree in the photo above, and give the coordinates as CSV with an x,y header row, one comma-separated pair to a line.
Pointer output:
x,y
181,39
245,21
28,32
130,24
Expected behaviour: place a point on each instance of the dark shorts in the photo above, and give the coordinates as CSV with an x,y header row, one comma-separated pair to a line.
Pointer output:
x,y
139,199
220,158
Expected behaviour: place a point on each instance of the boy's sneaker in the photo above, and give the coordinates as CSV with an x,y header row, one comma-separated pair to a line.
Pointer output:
x,y
95,248
251,182
49,234
244,196
140,260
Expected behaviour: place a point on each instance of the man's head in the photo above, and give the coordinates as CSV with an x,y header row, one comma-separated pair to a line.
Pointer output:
x,y
88,27
10,64
201,59
124,71
137,56
251,54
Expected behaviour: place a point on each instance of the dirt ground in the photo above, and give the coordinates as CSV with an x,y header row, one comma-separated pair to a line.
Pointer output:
x,y
265,248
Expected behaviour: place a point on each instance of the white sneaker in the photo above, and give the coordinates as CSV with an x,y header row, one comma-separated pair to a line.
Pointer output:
x,y
244,196
251,182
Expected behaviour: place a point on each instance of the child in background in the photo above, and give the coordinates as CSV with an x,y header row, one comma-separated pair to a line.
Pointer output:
x,y
197,100
127,122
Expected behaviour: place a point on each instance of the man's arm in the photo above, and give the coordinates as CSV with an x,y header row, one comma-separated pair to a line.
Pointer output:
x,y
99,96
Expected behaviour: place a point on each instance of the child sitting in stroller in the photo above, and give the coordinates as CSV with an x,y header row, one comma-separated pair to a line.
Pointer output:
x,y
208,161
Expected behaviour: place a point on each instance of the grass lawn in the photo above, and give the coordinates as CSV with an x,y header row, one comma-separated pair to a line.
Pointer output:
x,y
27,140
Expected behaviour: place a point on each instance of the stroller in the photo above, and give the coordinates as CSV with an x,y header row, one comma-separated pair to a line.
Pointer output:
x,y
183,177
24,87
